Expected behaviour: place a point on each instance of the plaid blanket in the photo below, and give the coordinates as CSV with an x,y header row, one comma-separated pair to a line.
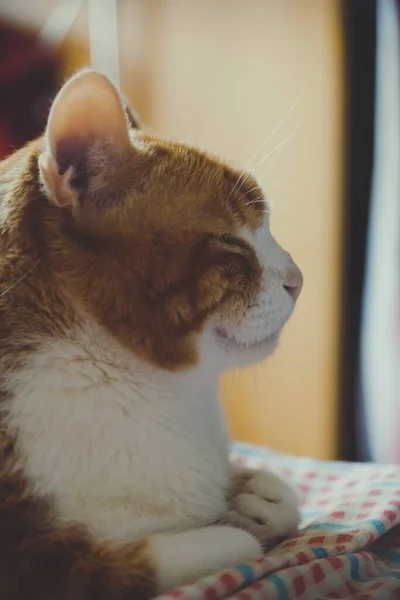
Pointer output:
x,y
348,546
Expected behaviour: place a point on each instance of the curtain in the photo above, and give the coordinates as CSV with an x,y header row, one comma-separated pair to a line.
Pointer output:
x,y
380,332
370,399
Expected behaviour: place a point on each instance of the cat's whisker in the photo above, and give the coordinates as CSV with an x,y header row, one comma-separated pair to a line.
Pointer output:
x,y
6,291
278,147
239,184
252,202
280,124
273,161
253,189
267,155
283,120
264,210
260,200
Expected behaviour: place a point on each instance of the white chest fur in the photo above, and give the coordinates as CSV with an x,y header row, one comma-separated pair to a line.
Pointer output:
x,y
121,446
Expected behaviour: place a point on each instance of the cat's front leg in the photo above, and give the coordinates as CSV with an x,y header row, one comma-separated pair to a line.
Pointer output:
x,y
262,504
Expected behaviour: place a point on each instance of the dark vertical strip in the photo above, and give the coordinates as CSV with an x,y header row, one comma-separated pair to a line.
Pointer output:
x,y
359,21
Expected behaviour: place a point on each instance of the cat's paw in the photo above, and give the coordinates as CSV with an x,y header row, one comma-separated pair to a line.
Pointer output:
x,y
182,558
265,506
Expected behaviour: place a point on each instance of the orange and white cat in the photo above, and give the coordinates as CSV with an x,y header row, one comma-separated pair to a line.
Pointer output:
x,y
133,271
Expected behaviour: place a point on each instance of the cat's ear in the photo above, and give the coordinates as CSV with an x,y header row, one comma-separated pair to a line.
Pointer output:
x,y
87,135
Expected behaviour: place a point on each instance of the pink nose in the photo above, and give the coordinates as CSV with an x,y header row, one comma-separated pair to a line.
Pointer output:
x,y
293,282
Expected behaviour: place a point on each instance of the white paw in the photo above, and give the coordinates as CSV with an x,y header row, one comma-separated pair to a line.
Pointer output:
x,y
184,557
266,507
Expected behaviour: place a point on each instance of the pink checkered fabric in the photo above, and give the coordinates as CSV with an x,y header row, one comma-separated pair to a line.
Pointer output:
x,y
348,546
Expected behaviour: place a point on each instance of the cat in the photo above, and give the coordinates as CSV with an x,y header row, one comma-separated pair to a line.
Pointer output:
x,y
133,270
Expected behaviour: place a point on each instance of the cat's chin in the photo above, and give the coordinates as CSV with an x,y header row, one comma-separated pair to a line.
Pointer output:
x,y
246,351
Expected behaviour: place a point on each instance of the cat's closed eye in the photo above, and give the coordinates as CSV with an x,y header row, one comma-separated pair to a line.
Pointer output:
x,y
244,259
232,240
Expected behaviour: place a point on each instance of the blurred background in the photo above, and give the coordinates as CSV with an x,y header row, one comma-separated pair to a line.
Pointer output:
x,y
306,93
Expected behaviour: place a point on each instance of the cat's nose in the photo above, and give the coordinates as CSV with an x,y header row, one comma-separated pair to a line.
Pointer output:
x,y
293,281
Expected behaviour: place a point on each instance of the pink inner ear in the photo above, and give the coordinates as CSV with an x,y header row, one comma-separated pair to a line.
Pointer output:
x,y
74,151
87,108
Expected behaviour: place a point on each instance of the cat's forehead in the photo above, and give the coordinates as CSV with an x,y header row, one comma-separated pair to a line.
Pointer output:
x,y
194,185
